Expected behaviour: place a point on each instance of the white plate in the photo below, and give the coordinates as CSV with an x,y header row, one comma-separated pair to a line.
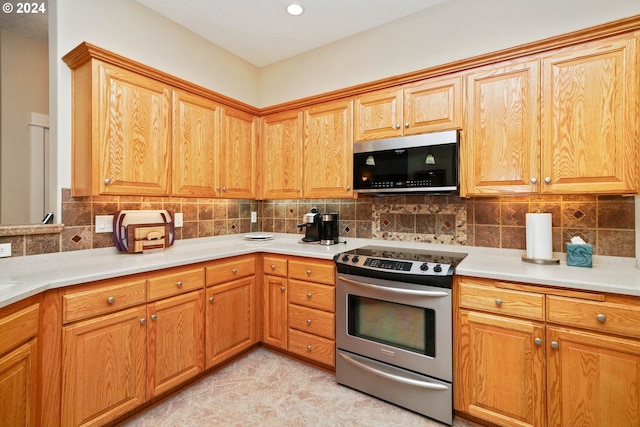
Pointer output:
x,y
258,236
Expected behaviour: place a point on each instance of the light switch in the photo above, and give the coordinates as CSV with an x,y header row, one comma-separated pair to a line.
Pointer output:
x,y
104,223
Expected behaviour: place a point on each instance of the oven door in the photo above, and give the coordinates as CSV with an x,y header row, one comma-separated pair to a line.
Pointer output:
x,y
401,324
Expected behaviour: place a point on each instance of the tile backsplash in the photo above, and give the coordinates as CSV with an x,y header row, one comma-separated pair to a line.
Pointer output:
x,y
607,222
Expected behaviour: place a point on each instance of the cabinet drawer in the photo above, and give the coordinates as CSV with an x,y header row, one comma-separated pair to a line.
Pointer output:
x,y
312,347
313,271
312,295
275,266
105,297
18,327
614,317
175,282
505,301
228,270
312,321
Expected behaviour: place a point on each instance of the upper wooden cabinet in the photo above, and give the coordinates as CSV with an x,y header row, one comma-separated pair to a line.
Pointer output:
x,y
590,119
196,136
121,137
237,156
562,123
431,105
281,144
328,151
499,150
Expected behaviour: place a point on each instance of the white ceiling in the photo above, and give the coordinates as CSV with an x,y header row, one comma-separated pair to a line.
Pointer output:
x,y
261,32
30,25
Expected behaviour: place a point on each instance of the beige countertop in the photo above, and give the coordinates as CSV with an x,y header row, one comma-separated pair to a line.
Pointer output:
x,y
22,277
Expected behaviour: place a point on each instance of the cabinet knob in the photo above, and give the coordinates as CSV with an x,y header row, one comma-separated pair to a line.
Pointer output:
x,y
273,266
298,189
601,318
406,124
218,188
308,296
107,181
498,302
111,300
554,345
224,188
308,348
348,187
211,299
397,126
143,320
154,317
308,321
547,180
534,180
281,288
308,272
179,284
234,271
537,341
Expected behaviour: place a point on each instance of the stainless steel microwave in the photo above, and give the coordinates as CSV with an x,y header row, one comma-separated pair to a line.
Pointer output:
x,y
417,163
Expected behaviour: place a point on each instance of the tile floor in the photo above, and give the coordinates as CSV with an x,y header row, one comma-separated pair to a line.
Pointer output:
x,y
267,389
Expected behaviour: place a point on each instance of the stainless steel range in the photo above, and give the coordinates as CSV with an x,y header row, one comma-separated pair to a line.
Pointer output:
x,y
394,326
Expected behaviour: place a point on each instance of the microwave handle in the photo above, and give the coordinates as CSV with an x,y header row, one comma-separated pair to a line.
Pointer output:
x,y
395,290
393,377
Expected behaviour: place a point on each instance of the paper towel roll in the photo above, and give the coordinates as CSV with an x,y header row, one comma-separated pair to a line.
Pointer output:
x,y
539,244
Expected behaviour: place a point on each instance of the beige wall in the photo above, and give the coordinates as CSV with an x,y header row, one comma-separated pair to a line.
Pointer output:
x,y
24,86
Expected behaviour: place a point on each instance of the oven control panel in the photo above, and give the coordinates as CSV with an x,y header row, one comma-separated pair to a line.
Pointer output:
x,y
396,266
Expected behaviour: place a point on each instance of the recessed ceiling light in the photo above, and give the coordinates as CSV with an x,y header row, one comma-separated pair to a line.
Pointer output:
x,y
294,9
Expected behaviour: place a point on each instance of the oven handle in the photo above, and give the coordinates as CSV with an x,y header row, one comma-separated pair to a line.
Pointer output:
x,y
393,377
395,290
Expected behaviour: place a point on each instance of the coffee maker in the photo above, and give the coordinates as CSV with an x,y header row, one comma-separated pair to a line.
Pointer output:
x,y
329,234
313,226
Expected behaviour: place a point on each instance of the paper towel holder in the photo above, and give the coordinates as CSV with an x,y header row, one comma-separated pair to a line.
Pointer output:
x,y
541,261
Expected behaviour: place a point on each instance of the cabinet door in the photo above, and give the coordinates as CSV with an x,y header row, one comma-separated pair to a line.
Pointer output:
x,y
230,320
196,136
501,377
281,140
499,153
594,380
433,105
238,155
175,341
275,311
378,115
131,152
103,367
589,119
328,151
18,382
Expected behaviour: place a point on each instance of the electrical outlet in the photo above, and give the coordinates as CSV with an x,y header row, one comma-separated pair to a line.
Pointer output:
x,y
254,217
5,250
104,223
177,217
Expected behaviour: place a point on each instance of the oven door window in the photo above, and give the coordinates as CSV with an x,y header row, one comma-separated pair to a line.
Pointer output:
x,y
402,326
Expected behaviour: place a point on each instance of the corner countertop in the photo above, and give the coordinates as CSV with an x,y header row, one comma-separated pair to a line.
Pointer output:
x,y
22,277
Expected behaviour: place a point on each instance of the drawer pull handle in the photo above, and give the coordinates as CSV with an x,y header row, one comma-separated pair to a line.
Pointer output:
x,y
537,341
281,288
211,299
111,300
308,296
179,284
154,317
498,302
143,320
273,266
234,271
308,321
554,345
601,318
308,272
308,348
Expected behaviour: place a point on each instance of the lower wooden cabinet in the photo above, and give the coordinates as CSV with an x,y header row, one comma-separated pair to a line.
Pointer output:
x,y
103,367
19,367
529,355
175,341
274,311
230,319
